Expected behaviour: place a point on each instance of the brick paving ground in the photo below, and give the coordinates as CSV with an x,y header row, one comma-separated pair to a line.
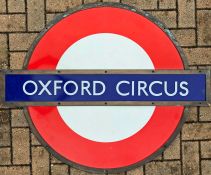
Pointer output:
x,y
22,20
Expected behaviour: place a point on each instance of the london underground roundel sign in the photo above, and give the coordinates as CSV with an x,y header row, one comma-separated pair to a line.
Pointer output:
x,y
100,44
105,37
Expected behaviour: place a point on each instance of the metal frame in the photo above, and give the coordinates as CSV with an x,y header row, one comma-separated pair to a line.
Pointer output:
x,y
107,103
2,91
165,30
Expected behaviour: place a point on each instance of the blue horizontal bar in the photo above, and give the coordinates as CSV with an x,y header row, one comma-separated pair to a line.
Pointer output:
x,y
104,87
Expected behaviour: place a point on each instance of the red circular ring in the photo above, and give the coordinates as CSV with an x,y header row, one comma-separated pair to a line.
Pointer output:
x,y
49,123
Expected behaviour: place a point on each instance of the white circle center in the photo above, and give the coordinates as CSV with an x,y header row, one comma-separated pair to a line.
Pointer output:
x,y
105,123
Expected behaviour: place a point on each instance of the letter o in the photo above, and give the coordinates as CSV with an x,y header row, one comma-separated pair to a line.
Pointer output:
x,y
76,88
35,89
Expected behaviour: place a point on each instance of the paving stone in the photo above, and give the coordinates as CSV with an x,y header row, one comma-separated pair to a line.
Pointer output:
x,y
91,1
15,170
206,149
40,161
55,160
15,6
166,17
186,13
159,157
5,156
20,143
21,41
163,168
58,169
34,140
111,0
196,131
203,3
137,171
18,118
50,17
167,4
17,60
192,114
206,167
205,114
4,136
173,151
2,6
144,4
11,23
61,5
204,27
197,56
113,173
79,172
4,128
3,52
190,157
185,37
36,17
